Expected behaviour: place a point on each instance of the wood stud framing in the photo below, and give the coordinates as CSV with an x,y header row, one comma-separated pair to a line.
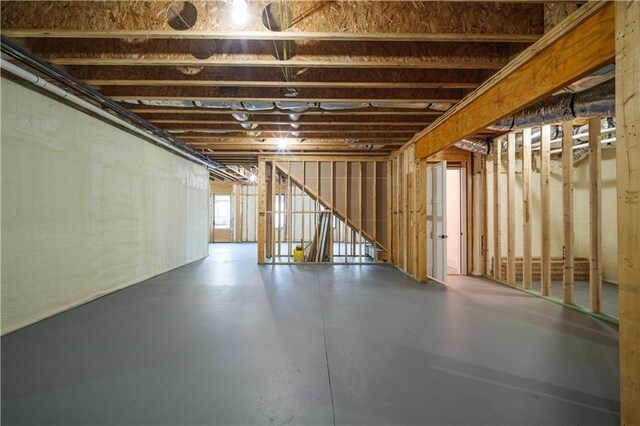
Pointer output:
x,y
358,226
628,186
595,216
511,209
526,209
497,229
567,213
545,204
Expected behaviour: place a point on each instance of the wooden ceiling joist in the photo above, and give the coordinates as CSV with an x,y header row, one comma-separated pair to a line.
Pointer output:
x,y
277,127
370,112
255,54
356,134
290,147
297,62
283,84
277,95
375,20
273,77
581,44
303,124
314,141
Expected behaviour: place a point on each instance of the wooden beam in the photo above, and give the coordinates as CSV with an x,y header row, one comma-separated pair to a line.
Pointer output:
x,y
595,216
581,44
526,209
497,232
545,207
386,21
628,185
511,209
567,212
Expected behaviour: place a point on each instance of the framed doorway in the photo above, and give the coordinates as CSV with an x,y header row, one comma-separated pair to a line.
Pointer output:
x,y
456,221
221,225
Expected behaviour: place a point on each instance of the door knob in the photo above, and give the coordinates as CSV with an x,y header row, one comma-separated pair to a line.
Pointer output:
x,y
443,236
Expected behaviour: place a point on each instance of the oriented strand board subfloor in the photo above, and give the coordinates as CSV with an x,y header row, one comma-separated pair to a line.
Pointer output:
x,y
224,341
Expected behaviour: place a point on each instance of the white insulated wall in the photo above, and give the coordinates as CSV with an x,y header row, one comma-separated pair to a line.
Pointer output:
x,y
87,208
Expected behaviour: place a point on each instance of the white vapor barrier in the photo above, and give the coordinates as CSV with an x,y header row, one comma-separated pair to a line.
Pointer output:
x,y
87,208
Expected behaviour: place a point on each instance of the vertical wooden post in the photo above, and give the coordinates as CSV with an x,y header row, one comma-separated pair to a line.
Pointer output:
x,y
303,197
526,207
405,209
361,224
332,209
346,210
289,215
484,244
567,212
274,185
545,203
316,215
415,229
627,17
422,221
511,209
497,235
390,208
262,201
398,190
374,231
595,216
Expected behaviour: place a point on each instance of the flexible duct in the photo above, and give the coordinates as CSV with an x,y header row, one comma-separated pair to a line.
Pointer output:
x,y
476,146
598,101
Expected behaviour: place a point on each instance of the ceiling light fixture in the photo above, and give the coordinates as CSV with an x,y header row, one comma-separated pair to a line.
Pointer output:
x,y
282,144
253,178
239,11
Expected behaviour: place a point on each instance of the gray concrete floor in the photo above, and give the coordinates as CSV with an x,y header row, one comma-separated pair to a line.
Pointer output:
x,y
224,341
609,300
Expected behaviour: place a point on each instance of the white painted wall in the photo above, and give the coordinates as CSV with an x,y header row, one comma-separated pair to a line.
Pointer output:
x,y
87,208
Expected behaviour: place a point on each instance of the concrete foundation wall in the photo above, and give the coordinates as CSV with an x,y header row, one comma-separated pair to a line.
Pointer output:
x,y
87,208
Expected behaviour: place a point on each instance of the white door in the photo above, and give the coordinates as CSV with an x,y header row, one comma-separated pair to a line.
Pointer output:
x,y
437,221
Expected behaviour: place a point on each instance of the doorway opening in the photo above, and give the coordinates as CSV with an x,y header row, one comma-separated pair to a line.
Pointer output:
x,y
221,218
456,221
446,206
